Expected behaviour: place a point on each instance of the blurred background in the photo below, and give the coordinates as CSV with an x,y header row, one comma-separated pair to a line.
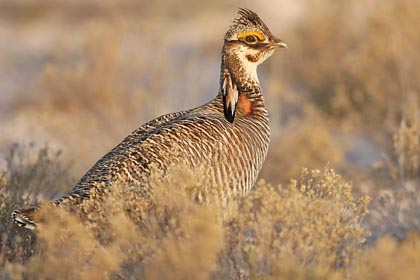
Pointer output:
x,y
79,76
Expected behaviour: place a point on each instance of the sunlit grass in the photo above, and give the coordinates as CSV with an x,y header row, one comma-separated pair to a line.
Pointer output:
x,y
312,223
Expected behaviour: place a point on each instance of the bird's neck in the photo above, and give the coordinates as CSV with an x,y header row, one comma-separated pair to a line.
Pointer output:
x,y
244,74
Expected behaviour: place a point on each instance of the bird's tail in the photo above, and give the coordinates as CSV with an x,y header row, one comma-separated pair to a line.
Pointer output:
x,y
27,217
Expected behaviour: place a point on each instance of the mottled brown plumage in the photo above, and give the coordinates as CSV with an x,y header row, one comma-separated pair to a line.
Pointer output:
x,y
228,137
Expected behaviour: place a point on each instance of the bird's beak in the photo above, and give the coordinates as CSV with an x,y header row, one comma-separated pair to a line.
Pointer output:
x,y
279,44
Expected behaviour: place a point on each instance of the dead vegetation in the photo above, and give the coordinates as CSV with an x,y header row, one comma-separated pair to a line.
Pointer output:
x,y
312,223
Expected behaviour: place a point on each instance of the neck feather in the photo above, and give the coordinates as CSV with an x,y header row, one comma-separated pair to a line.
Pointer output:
x,y
243,71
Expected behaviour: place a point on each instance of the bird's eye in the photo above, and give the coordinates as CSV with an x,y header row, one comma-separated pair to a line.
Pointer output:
x,y
252,39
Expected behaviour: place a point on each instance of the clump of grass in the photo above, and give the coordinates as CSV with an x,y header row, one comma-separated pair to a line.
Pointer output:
x,y
320,148
390,259
395,210
30,174
407,143
312,223
36,171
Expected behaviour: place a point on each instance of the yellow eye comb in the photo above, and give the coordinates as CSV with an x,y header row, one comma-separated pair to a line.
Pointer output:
x,y
260,36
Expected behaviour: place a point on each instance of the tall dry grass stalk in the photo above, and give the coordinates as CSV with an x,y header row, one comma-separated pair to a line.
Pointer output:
x,y
407,142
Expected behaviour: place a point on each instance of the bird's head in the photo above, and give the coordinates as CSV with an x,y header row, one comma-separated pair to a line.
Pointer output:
x,y
248,42
250,39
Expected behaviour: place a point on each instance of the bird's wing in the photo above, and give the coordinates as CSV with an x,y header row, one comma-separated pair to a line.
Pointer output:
x,y
112,164
143,130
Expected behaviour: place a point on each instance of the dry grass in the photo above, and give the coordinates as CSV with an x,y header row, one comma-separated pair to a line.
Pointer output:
x,y
407,143
320,148
30,175
313,223
391,260
312,226
309,229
